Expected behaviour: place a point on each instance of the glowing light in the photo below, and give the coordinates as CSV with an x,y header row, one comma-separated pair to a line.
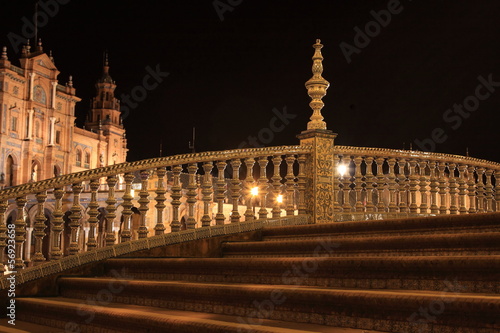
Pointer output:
x,y
254,191
132,193
279,198
342,169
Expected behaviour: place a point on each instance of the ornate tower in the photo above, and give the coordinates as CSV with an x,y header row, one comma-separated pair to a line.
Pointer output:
x,y
105,107
105,119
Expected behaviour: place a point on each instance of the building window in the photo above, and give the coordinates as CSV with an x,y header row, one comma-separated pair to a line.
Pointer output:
x,y
58,137
78,157
13,124
87,159
9,172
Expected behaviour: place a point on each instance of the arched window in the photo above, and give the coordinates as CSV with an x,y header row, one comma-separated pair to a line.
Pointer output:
x,y
9,172
57,171
78,157
87,159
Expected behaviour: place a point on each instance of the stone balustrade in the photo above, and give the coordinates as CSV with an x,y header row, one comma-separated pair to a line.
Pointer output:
x,y
96,210
388,181
65,224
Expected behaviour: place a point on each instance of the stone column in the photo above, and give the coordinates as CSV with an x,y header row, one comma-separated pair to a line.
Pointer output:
x,y
32,85
29,135
53,99
319,166
320,174
52,130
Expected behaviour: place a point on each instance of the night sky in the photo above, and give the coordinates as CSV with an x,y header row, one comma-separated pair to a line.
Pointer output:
x,y
230,77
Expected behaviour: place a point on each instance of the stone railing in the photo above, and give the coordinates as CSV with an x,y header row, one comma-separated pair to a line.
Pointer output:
x,y
375,180
224,178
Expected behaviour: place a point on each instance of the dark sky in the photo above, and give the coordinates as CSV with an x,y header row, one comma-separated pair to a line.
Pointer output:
x,y
226,77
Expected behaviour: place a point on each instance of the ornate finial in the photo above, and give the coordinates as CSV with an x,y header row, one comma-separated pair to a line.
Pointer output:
x,y
4,53
51,57
316,89
39,46
28,47
105,67
70,81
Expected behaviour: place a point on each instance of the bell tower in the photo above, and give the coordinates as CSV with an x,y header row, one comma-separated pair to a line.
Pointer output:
x,y
105,119
105,108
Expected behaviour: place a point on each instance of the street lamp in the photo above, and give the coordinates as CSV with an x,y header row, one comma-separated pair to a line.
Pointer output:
x,y
342,169
254,192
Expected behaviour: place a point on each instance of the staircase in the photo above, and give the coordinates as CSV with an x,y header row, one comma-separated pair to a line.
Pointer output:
x,y
437,274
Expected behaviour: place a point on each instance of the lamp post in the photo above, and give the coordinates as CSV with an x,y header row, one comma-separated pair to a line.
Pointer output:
x,y
255,192
342,170
279,200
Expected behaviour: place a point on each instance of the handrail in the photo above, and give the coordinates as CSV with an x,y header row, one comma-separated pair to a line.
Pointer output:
x,y
399,153
111,170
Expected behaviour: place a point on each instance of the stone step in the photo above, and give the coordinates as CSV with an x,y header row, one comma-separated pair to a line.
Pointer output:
x,y
488,222
73,315
296,303
408,245
26,327
477,274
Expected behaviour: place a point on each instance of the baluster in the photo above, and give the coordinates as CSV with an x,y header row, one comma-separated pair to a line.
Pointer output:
x,y
263,186
453,189
442,187
497,190
75,217
207,191
110,211
358,184
290,185
221,193
462,188
489,191
423,187
191,195
370,184
40,226
434,188
235,190
413,187
471,187
346,185
380,184
20,232
249,184
143,203
392,185
276,178
160,201
57,226
480,190
126,233
176,195
93,212
403,206
3,235
336,185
